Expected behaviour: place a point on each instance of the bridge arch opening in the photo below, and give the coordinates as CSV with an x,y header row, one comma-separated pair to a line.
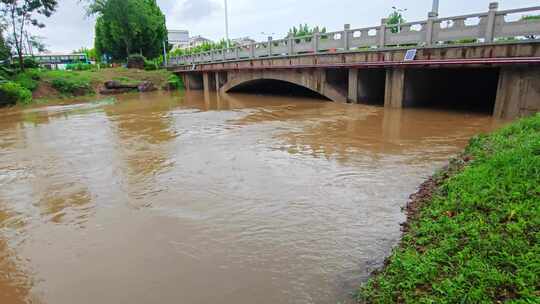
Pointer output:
x,y
460,89
371,86
277,88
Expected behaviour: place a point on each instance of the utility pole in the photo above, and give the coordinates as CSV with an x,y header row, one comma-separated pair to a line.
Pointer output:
x,y
227,24
165,53
435,8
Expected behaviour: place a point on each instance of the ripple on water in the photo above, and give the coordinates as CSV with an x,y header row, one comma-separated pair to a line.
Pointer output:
x,y
265,199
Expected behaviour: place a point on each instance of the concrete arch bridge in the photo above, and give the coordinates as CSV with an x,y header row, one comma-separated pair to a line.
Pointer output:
x,y
489,61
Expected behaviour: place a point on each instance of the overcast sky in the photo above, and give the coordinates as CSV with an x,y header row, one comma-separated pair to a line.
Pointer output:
x,y
69,29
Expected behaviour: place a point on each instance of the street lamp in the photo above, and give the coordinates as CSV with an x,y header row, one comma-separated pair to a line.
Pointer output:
x,y
435,8
227,25
399,11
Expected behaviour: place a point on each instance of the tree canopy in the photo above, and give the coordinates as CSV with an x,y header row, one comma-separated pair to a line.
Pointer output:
x,y
394,20
5,51
124,27
22,13
304,30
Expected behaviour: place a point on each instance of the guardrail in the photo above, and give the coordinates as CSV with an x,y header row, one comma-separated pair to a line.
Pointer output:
x,y
480,28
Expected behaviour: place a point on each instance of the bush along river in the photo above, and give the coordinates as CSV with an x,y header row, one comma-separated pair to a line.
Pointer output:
x,y
185,198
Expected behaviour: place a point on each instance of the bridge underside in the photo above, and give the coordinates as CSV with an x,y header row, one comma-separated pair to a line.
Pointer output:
x,y
506,92
489,82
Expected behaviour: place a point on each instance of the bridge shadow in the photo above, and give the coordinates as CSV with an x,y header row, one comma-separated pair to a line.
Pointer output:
x,y
275,87
453,89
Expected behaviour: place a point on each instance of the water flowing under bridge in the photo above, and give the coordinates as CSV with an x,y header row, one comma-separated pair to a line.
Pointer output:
x,y
488,60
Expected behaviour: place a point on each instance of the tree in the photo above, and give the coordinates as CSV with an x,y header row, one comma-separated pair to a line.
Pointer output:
x,y
394,20
23,13
124,27
5,50
304,30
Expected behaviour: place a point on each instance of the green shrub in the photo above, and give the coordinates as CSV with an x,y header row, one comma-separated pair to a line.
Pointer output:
x,y
150,65
79,66
175,82
12,93
29,63
71,86
29,79
136,61
6,72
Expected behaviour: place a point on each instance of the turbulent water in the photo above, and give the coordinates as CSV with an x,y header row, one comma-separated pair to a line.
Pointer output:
x,y
188,198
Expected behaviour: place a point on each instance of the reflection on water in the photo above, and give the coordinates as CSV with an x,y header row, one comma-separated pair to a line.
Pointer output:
x,y
193,198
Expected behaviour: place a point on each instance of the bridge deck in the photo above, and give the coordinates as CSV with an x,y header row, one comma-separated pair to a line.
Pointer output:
x,y
497,54
442,34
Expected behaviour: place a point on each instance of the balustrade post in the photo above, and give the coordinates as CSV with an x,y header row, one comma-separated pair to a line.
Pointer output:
x,y
270,44
491,20
346,38
315,41
291,47
429,28
237,52
252,50
382,33
223,54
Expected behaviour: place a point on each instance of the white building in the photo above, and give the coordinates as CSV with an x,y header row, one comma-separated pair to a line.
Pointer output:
x,y
196,41
243,41
179,39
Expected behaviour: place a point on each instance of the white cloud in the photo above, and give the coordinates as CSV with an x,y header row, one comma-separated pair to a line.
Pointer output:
x,y
196,10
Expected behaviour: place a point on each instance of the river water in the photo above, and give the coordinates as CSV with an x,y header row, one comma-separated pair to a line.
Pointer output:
x,y
187,198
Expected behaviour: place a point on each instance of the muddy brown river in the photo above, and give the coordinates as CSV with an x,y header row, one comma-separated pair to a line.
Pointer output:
x,y
236,199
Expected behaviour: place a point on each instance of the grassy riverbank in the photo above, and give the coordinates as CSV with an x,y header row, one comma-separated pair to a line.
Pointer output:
x,y
473,230
40,86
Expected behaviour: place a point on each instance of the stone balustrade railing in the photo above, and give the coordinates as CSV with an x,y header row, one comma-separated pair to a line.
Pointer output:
x,y
488,27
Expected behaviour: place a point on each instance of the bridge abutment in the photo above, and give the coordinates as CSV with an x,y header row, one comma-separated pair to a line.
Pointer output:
x,y
518,93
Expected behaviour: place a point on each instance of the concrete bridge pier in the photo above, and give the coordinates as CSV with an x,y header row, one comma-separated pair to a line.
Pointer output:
x,y
518,92
353,86
221,79
394,93
209,82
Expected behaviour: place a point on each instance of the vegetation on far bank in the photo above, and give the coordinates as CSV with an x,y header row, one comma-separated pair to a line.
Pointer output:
x,y
37,84
473,234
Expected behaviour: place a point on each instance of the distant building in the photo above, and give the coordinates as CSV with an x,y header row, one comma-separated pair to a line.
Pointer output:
x,y
196,41
179,39
243,41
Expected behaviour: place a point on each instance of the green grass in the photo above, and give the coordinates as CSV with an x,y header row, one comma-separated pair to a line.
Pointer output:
x,y
66,84
70,82
477,240
28,79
